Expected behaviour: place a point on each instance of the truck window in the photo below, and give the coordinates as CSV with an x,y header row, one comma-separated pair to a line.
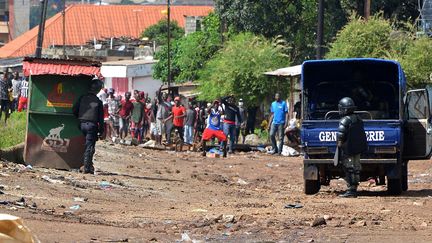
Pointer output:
x,y
417,104
374,87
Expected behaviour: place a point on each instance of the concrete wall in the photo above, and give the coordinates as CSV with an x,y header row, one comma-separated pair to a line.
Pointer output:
x,y
20,17
146,84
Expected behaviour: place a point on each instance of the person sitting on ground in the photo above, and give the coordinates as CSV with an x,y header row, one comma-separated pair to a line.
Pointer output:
x,y
293,132
214,129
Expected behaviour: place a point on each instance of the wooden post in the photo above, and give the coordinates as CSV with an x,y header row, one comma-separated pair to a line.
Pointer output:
x,y
291,105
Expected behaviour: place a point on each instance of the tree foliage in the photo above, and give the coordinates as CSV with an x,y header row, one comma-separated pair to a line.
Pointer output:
x,y
391,9
190,53
159,32
417,62
238,69
380,38
360,38
294,20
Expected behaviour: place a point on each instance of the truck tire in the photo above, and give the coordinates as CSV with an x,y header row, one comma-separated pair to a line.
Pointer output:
x,y
394,186
311,187
404,173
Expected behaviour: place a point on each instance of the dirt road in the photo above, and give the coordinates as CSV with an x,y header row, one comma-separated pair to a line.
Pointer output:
x,y
142,195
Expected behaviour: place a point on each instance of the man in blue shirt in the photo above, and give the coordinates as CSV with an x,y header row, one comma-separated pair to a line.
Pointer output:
x,y
278,118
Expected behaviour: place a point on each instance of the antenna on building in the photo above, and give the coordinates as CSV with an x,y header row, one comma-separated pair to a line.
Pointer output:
x,y
425,23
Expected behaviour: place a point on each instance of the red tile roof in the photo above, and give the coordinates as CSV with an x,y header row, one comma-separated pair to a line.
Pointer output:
x,y
85,22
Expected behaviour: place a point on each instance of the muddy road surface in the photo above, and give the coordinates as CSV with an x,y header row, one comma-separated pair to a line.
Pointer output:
x,y
142,195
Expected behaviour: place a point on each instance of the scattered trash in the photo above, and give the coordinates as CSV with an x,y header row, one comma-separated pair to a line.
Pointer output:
x,y
199,210
185,238
150,143
242,182
361,223
327,217
418,203
228,218
291,206
270,165
53,181
4,202
80,199
318,221
29,167
424,224
105,185
13,230
261,149
288,151
75,207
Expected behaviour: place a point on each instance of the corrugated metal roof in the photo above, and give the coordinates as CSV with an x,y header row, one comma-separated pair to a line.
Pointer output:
x,y
34,66
85,22
286,72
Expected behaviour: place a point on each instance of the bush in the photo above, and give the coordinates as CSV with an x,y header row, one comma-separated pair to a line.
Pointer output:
x,y
14,132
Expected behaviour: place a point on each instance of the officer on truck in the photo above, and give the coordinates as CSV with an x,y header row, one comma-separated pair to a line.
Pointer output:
x,y
89,111
351,142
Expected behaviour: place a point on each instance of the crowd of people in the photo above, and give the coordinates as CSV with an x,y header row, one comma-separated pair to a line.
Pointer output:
x,y
13,93
165,119
160,119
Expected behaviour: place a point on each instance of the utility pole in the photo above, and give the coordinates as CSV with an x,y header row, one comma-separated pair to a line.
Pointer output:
x,y
64,28
367,9
169,43
44,4
320,30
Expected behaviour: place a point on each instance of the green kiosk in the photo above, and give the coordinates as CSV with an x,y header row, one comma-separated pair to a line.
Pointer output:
x,y
53,139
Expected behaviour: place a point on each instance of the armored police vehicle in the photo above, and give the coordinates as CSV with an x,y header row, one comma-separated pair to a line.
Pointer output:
x,y
396,121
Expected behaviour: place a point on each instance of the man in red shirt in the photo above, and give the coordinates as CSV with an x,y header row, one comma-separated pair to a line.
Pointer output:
x,y
125,115
178,114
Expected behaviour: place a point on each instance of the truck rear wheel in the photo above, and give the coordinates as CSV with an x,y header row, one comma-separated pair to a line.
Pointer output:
x,y
394,186
311,187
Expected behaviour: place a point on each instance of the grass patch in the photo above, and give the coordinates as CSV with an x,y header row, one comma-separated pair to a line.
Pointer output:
x,y
14,132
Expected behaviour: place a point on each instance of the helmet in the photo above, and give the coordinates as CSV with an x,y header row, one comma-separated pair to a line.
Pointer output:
x,y
95,86
346,106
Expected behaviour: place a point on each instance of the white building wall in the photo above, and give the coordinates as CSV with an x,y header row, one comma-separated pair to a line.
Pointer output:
x,y
147,84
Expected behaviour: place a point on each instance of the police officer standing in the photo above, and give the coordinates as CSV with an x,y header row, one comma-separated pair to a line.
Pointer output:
x,y
89,111
351,141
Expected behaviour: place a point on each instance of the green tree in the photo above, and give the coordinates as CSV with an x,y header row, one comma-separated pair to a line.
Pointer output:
x,y
417,62
190,53
391,9
360,38
238,69
294,20
159,32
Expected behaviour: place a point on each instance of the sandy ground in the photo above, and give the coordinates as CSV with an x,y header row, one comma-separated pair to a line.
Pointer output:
x,y
142,195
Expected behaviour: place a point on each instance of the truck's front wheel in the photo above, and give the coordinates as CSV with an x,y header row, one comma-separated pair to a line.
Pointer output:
x,y
394,186
311,187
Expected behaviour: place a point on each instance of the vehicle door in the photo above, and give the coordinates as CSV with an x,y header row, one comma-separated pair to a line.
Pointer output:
x,y
418,129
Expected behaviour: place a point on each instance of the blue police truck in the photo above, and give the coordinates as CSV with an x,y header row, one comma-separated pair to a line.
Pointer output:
x,y
397,121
